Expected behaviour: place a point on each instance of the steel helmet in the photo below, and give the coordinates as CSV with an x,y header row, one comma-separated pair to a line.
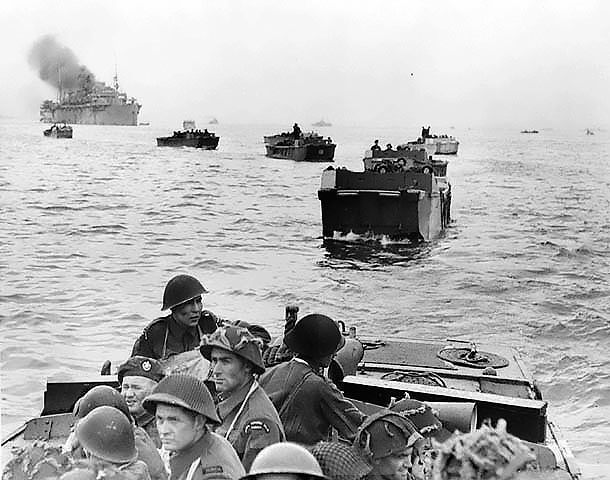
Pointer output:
x,y
340,461
285,457
385,433
315,335
420,414
186,391
180,289
100,395
235,340
106,433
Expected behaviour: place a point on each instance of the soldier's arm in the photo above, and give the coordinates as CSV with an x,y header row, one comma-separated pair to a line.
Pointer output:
x,y
340,413
259,433
144,345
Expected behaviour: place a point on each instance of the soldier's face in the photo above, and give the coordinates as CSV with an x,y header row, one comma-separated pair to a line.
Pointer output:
x,y
134,389
395,467
188,313
178,429
229,371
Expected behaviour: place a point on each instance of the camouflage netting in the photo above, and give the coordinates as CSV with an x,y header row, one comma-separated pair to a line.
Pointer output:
x,y
37,461
487,453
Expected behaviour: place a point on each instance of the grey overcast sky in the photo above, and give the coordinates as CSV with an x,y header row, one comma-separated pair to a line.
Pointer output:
x,y
468,63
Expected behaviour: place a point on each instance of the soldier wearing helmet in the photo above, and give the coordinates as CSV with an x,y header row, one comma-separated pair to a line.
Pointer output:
x,y
137,377
285,461
387,440
249,419
182,329
185,415
308,403
104,395
108,440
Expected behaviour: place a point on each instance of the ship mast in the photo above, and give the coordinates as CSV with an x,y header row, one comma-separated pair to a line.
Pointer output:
x,y
116,77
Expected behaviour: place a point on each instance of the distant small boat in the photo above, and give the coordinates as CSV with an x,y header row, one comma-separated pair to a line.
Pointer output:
x,y
144,124
213,122
322,123
590,132
529,131
190,137
59,130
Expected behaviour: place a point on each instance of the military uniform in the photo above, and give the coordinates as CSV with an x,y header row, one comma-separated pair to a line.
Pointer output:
x,y
309,404
146,421
211,457
164,336
148,453
249,421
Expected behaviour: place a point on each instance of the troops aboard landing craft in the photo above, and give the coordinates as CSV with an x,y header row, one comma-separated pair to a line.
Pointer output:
x,y
240,419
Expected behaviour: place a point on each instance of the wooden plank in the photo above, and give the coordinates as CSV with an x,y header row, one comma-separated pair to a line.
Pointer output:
x,y
443,372
538,405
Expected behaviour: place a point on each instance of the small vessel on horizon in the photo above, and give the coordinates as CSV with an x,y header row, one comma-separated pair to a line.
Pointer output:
x,y
589,132
59,130
190,137
301,147
529,131
213,121
322,123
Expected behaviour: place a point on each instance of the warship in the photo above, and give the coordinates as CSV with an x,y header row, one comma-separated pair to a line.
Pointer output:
x,y
91,102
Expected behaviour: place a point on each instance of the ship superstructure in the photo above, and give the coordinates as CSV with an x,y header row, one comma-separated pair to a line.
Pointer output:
x,y
91,102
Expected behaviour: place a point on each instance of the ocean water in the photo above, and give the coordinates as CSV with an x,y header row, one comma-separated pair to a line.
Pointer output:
x,y
93,227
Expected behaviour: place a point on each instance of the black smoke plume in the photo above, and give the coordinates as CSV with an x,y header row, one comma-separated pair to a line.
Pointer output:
x,y
57,65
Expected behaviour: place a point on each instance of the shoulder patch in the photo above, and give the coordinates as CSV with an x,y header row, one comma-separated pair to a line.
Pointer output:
x,y
256,425
212,469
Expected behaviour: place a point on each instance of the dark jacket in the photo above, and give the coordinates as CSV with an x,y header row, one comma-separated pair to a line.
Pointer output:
x,y
257,426
309,404
164,336
217,460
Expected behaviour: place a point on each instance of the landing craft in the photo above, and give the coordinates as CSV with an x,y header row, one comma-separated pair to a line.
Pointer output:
x,y
467,383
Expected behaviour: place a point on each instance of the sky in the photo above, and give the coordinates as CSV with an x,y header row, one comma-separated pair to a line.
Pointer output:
x,y
468,63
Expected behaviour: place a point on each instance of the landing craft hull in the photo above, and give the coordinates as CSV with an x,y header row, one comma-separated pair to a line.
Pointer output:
x,y
303,153
206,143
93,114
404,205
464,385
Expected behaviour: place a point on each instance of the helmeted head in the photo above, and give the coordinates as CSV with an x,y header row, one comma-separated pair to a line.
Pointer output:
x,y
107,434
100,395
256,330
181,289
287,459
236,340
339,461
387,439
315,336
420,413
183,409
137,377
185,391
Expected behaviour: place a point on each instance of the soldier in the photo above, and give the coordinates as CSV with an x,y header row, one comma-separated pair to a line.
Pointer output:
x,y
185,414
285,461
174,338
104,395
107,438
249,419
137,377
308,403
387,440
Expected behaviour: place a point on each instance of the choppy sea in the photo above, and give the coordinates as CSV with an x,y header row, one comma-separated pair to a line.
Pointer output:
x,y
92,228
